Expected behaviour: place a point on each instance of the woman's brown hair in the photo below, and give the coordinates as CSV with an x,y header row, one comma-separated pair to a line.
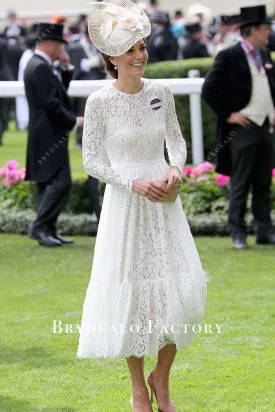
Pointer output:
x,y
109,66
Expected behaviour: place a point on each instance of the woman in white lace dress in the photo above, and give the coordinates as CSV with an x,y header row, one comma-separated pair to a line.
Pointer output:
x,y
147,287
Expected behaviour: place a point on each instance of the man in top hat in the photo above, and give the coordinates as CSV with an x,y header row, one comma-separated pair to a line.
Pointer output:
x,y
50,120
240,88
194,45
227,33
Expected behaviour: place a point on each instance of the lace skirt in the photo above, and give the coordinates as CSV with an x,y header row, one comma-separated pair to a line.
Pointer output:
x,y
147,286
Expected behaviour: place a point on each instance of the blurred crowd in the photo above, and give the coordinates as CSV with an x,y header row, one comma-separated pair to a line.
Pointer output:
x,y
196,33
193,34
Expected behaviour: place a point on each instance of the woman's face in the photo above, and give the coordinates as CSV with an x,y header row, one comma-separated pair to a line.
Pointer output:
x,y
133,62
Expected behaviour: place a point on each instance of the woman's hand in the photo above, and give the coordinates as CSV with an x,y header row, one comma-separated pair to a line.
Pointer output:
x,y
173,178
154,191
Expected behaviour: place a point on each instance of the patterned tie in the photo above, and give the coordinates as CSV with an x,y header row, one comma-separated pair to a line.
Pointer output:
x,y
258,59
254,54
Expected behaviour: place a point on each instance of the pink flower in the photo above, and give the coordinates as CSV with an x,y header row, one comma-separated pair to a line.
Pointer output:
x,y
222,180
206,167
196,172
191,182
187,171
22,173
2,172
273,172
17,177
7,182
202,179
12,164
11,173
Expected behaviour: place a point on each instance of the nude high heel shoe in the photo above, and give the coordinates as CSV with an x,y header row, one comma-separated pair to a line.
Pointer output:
x,y
136,396
150,381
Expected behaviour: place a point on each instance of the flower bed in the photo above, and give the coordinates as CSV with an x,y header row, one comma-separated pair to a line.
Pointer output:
x,y
10,175
206,192
203,191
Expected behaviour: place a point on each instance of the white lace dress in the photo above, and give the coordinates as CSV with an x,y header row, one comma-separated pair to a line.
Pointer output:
x,y
147,286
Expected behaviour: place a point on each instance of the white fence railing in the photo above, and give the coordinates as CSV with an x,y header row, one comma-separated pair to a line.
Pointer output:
x,y
191,86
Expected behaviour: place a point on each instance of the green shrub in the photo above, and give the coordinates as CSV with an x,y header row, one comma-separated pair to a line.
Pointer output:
x,y
22,196
68,224
85,225
79,200
19,196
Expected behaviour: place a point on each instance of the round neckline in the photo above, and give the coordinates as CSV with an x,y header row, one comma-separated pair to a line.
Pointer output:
x,y
131,94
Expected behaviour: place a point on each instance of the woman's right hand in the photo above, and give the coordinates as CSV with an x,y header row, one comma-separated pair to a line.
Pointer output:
x,y
152,190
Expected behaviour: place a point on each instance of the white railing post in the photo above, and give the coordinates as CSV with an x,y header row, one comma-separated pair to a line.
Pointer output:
x,y
196,122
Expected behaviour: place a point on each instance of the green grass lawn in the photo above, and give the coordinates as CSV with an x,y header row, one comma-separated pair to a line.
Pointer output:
x,y
230,371
15,145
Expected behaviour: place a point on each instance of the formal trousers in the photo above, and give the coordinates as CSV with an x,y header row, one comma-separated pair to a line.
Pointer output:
x,y
252,153
51,199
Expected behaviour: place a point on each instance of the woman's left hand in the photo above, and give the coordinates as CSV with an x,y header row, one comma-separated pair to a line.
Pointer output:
x,y
173,178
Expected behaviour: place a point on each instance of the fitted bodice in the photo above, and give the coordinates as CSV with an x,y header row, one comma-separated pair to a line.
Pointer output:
x,y
135,129
132,128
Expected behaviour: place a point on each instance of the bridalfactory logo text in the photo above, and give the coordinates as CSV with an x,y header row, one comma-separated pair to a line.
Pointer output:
x,y
150,327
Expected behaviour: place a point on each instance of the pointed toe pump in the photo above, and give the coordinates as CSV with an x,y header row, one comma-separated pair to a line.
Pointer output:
x,y
150,382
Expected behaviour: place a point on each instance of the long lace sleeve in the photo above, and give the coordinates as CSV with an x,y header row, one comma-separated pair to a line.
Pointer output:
x,y
175,143
93,133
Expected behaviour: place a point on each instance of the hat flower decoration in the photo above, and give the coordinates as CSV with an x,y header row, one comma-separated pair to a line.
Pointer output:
x,y
126,20
114,26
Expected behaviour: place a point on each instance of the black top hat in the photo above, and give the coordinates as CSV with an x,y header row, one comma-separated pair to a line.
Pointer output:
x,y
193,27
48,31
223,20
227,20
251,16
235,19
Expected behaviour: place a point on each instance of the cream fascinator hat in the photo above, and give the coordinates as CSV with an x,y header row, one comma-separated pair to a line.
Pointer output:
x,y
114,26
